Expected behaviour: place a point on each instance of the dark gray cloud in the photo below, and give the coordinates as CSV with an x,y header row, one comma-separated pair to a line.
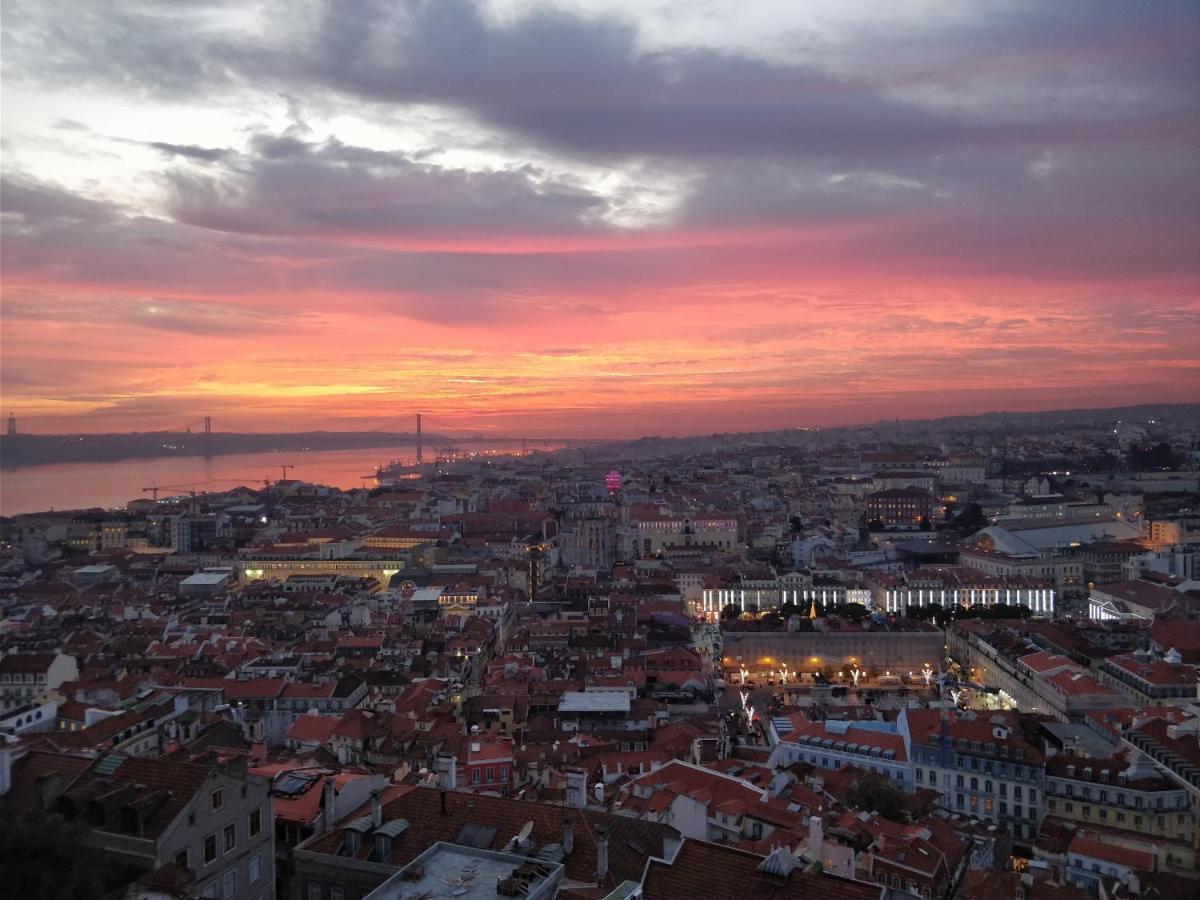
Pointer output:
x,y
26,203
584,84
191,151
286,186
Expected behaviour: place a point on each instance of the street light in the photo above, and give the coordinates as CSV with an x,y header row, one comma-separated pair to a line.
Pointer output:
x,y
854,673
928,673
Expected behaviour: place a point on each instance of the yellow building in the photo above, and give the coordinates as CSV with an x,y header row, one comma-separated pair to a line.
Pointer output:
x,y
1117,796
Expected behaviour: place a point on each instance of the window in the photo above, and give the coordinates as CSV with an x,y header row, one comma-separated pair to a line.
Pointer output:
x,y
255,868
218,799
255,822
336,892
314,890
229,885
474,776
210,848
491,774
1032,795
1016,792
920,776
230,837
958,781
181,859
504,773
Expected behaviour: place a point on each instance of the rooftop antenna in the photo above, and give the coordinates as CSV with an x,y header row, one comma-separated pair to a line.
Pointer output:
x,y
525,832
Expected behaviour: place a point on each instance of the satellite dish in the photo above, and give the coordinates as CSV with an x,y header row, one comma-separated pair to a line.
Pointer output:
x,y
526,831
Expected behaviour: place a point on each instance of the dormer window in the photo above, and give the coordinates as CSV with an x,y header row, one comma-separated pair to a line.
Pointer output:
x,y
1070,771
218,799
353,842
383,847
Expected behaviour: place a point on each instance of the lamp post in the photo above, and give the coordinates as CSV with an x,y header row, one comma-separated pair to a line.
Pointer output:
x,y
928,673
855,673
783,673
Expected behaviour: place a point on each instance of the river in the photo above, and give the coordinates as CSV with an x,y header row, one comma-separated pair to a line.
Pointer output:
x,y
113,484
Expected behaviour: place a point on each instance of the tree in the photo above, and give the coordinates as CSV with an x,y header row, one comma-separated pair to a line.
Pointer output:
x,y
971,519
1158,457
873,793
730,611
46,856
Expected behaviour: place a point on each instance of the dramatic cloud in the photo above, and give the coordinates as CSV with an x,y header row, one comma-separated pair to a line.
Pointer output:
x,y
651,218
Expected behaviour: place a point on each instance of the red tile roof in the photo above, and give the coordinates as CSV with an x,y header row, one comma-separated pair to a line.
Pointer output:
x,y
630,840
701,869
1113,853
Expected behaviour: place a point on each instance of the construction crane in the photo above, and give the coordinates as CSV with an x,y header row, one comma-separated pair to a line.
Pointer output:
x,y
265,482
155,488
283,471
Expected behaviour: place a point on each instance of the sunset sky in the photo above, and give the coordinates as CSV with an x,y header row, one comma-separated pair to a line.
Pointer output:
x,y
595,218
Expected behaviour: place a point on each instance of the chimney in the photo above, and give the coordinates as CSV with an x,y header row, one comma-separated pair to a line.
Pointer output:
x,y
568,836
376,809
600,792
330,794
816,836
601,852
576,788
447,771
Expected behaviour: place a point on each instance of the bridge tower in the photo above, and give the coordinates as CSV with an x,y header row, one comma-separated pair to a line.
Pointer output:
x,y
208,437
420,448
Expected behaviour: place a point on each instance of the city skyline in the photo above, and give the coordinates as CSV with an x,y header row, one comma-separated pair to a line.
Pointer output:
x,y
595,219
